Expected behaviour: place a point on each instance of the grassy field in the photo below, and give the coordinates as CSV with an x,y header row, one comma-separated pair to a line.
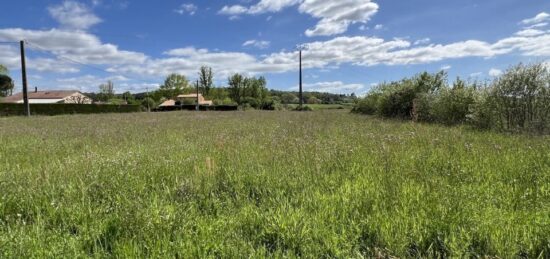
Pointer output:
x,y
251,184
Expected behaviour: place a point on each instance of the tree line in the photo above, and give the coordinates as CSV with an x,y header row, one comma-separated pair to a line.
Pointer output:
x,y
517,101
241,90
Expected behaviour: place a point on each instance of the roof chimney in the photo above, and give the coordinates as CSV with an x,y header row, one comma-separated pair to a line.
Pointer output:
x,y
36,89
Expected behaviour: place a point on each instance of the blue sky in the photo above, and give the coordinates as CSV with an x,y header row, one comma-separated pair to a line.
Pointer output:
x,y
351,44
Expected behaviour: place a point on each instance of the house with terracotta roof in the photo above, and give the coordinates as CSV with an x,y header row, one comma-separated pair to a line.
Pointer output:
x,y
192,98
53,96
187,99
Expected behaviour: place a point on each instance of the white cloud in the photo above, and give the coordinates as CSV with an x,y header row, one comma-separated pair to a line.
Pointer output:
x,y
260,44
446,67
323,55
495,72
541,17
76,45
74,15
529,33
335,16
188,8
379,27
422,41
233,10
336,87
265,6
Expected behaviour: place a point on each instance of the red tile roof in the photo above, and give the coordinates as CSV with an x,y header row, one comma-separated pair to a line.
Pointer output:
x,y
40,95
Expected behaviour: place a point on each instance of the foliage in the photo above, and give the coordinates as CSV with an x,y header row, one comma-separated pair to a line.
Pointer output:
x,y
206,80
3,70
174,85
368,105
326,98
521,98
15,109
288,98
236,86
6,83
249,92
313,100
323,184
148,103
106,92
305,108
517,101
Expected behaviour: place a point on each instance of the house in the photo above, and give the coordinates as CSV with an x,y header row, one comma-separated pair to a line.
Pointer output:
x,y
192,99
53,96
168,103
189,99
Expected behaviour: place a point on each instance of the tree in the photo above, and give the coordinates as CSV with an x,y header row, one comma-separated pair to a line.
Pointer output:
x,y
313,100
6,83
3,70
288,98
236,87
173,86
206,79
128,97
106,91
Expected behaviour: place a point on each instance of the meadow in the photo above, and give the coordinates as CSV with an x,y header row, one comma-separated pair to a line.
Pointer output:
x,y
327,184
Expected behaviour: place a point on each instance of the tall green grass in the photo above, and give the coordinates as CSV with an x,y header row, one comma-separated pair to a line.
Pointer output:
x,y
254,184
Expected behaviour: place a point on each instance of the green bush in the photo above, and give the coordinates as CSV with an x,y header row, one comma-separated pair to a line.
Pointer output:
x,y
304,108
521,99
11,109
367,105
517,101
452,105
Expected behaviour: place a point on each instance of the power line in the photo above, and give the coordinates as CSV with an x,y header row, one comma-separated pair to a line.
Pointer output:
x,y
69,59
79,62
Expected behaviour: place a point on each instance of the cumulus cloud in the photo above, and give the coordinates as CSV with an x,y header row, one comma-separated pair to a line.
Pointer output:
x,y
74,15
495,72
529,32
188,8
77,45
539,18
322,54
260,44
233,10
335,16
422,41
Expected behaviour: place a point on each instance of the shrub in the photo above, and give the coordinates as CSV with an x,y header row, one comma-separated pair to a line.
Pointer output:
x,y
304,108
521,99
397,102
422,108
367,105
451,105
7,109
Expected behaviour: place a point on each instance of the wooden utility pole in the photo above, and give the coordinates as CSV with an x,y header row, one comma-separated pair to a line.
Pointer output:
x,y
198,103
301,89
147,100
24,79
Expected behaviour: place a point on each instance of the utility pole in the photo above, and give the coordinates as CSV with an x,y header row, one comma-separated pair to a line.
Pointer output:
x,y
198,104
24,79
147,99
301,89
